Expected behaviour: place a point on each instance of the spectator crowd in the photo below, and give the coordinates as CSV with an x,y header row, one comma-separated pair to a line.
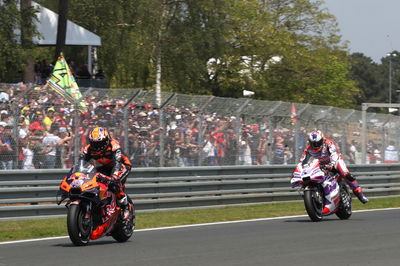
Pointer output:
x,y
40,129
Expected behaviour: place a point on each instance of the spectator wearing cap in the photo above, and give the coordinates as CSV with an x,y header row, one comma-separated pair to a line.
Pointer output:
x,y
48,120
23,128
28,156
254,142
35,144
263,149
194,150
22,140
59,116
36,127
142,149
153,152
6,117
171,150
25,114
4,96
244,150
209,152
279,151
231,147
188,149
37,121
8,147
3,112
220,143
50,142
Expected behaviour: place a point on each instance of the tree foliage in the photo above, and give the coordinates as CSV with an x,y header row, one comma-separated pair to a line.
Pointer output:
x,y
373,78
287,50
11,52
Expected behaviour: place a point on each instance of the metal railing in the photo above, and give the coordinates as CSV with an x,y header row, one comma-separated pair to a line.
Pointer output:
x,y
30,194
185,130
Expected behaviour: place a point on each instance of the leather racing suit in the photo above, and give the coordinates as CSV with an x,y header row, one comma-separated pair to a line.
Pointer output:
x,y
329,156
114,164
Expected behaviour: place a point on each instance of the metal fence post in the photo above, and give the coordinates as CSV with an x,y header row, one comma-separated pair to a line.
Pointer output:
x,y
364,132
162,135
15,132
162,130
126,124
76,133
201,119
239,124
200,138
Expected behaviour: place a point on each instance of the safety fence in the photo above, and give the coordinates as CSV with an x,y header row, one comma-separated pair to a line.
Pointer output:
x,y
44,131
31,194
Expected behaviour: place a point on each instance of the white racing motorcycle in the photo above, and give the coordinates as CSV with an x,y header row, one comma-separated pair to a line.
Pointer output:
x,y
324,192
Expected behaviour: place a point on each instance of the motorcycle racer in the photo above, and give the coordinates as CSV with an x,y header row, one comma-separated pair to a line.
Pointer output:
x,y
114,165
326,151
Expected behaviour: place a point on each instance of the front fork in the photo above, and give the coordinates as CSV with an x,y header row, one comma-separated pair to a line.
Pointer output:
x,y
318,192
85,206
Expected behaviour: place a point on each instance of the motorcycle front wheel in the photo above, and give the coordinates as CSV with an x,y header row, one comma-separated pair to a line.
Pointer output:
x,y
314,203
79,225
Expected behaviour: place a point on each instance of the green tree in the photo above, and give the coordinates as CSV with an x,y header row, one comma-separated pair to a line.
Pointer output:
x,y
390,62
287,50
11,53
369,78
297,51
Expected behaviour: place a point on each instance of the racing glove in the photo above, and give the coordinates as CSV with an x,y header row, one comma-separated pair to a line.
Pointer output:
x,y
328,167
114,184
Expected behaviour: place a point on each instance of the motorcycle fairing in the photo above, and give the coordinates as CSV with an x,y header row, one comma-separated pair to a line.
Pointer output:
x,y
331,194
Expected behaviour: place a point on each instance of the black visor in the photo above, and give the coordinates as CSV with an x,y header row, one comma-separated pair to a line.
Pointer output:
x,y
316,144
98,145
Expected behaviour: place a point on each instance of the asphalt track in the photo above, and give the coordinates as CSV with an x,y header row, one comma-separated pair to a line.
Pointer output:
x,y
368,238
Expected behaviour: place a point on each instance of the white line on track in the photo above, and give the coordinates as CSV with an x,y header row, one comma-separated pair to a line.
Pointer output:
x,y
191,225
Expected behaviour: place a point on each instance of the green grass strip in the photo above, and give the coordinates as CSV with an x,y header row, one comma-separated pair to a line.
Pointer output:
x,y
28,229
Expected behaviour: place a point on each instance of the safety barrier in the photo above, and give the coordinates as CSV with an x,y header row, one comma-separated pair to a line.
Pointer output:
x,y
29,194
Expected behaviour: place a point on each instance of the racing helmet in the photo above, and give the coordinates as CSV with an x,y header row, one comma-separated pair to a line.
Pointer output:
x,y
99,139
315,139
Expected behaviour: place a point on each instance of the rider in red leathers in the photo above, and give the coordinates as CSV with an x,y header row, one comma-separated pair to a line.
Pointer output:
x,y
114,165
326,151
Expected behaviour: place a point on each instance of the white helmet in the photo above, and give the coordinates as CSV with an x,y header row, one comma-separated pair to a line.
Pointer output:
x,y
316,138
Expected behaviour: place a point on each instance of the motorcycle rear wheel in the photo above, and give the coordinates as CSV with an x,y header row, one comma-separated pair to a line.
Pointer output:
x,y
79,227
345,207
314,203
123,230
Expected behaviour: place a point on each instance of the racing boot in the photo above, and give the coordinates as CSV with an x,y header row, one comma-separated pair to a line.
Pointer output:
x,y
352,182
360,195
123,203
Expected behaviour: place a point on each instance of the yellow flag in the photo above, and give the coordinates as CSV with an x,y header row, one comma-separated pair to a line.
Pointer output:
x,y
63,82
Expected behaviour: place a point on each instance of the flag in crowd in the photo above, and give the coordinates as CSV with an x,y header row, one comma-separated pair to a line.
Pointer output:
x,y
63,82
293,114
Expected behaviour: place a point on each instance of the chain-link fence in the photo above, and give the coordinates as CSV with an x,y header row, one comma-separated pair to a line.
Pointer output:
x,y
39,129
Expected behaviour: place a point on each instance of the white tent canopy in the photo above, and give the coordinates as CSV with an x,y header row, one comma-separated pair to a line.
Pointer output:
x,y
47,26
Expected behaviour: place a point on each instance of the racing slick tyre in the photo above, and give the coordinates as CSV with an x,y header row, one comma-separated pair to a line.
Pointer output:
x,y
79,227
345,207
314,203
123,229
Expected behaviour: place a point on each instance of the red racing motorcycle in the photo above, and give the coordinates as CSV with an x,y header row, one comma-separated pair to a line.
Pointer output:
x,y
93,211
